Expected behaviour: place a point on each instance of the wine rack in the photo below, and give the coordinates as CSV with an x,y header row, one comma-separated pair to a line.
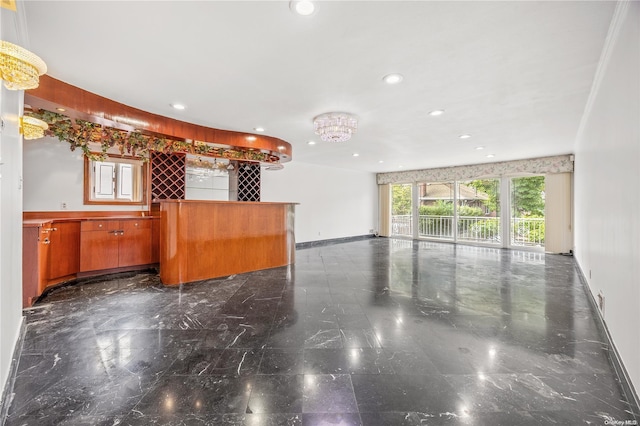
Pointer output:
x,y
168,176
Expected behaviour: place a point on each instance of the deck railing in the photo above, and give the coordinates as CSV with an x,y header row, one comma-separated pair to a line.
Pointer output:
x,y
527,232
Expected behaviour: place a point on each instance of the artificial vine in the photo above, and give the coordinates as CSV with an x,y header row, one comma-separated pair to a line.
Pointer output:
x,y
80,134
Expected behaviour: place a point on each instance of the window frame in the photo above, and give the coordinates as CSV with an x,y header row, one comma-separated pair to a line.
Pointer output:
x,y
144,176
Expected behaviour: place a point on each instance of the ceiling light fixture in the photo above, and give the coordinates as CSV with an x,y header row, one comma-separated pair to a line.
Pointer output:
x,y
335,126
479,148
302,7
19,68
32,128
490,156
259,129
178,106
355,154
436,112
465,136
311,143
392,78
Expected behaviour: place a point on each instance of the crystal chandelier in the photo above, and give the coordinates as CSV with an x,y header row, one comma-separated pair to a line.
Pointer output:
x,y
19,68
32,128
335,126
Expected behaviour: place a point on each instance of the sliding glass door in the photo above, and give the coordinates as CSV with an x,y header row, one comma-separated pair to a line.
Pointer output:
x,y
401,210
527,211
478,211
435,212
472,211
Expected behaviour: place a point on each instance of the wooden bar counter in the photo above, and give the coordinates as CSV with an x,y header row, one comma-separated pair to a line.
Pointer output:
x,y
209,239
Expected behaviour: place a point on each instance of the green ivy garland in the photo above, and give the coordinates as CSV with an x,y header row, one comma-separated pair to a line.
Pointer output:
x,y
80,134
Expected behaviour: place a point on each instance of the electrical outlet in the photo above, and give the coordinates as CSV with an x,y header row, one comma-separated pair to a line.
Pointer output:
x,y
63,205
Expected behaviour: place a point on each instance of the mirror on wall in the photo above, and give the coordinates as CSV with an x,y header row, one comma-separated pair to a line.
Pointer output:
x,y
207,178
115,180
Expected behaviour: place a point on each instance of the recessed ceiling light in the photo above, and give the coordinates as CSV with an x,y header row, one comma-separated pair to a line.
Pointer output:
x,y
490,156
259,129
401,166
250,138
465,136
178,106
436,112
311,143
392,78
355,154
60,109
381,161
479,147
302,7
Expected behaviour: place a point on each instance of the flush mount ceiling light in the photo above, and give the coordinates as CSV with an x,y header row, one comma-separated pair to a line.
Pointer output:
x,y
19,68
32,128
302,7
335,126
178,106
259,129
465,136
392,78
436,112
311,143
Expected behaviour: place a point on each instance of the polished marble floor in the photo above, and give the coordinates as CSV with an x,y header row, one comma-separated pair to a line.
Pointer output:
x,y
372,332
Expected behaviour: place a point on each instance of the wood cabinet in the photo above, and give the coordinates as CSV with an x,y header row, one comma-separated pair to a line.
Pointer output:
x,y
209,239
50,255
111,244
64,251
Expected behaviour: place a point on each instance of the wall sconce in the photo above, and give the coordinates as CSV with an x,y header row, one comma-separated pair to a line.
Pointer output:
x,y
19,68
32,128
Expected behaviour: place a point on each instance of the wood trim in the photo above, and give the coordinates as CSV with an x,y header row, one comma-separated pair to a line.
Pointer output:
x,y
79,103
80,215
144,199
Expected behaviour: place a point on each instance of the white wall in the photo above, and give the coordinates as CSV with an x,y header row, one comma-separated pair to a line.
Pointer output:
x,y
334,203
11,103
53,174
607,186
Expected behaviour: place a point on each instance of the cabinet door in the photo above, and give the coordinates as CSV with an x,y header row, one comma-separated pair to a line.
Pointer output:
x,y
99,245
135,242
64,250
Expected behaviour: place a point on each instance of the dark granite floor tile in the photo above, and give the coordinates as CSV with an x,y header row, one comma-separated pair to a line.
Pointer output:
x,y
179,395
238,362
197,362
431,394
401,418
343,361
322,338
354,333
281,361
275,394
331,419
332,393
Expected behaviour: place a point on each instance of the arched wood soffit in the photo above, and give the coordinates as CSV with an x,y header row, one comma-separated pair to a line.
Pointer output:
x,y
80,104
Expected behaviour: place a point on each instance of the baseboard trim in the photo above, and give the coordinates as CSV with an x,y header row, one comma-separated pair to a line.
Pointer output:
x,y
320,243
614,356
7,393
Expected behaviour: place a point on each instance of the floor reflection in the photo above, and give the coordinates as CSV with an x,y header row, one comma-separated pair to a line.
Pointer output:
x,y
373,332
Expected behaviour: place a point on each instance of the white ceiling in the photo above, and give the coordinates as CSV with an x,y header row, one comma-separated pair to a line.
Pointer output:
x,y
514,75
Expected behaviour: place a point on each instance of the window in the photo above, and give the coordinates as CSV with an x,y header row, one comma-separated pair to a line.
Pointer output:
x,y
116,180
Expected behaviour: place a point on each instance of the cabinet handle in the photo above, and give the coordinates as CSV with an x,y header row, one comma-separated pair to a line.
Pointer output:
x,y
46,241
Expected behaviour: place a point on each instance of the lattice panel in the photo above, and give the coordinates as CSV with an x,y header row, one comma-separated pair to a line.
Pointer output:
x,y
168,176
249,182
